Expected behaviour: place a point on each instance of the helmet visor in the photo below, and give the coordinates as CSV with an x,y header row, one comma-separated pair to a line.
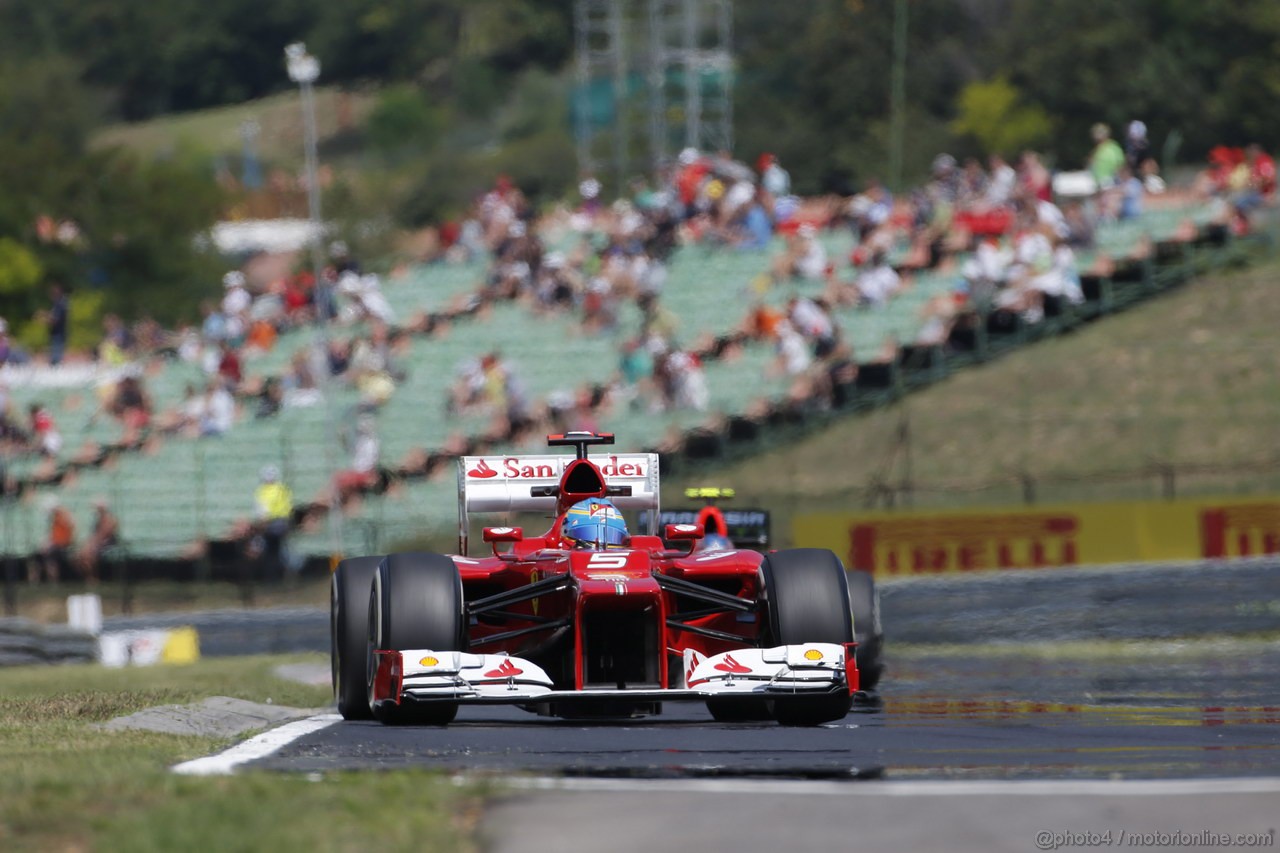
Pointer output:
x,y
600,534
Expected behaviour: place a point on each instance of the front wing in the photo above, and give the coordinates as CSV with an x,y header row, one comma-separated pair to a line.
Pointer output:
x,y
426,675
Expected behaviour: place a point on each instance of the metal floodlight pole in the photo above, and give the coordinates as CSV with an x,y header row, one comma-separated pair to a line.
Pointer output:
x,y
304,69
898,95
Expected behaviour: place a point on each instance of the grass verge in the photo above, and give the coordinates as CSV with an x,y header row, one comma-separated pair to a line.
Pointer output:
x,y
65,784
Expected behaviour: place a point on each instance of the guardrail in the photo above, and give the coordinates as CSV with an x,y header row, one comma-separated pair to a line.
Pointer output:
x,y
1213,598
24,642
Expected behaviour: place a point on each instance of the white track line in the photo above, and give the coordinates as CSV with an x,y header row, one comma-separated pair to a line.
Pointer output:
x,y
254,748
909,788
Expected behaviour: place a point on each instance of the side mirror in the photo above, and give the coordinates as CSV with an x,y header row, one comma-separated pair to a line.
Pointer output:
x,y
494,535
674,532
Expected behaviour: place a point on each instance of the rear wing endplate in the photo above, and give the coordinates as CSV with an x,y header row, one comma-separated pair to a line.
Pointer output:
x,y
514,483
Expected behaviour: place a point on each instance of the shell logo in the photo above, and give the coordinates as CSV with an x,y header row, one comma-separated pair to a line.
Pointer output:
x,y
429,661
813,654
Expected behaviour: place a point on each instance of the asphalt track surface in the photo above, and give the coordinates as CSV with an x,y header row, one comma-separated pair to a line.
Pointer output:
x,y
1153,712
1159,746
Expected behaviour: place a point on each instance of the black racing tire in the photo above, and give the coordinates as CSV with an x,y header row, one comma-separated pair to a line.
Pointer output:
x,y
812,710
740,710
415,602
864,602
807,593
349,635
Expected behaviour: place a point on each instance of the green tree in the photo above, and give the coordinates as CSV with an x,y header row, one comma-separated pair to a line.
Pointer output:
x,y
20,271
124,227
814,84
995,114
20,278
404,121
141,221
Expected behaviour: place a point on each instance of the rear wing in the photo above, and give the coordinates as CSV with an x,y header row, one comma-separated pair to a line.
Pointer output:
x,y
522,484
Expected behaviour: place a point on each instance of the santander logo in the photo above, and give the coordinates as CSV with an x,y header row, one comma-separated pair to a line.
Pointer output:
x,y
731,665
614,468
544,468
506,670
482,471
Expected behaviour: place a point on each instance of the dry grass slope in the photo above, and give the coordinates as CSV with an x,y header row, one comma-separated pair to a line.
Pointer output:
x,y
1187,380
216,131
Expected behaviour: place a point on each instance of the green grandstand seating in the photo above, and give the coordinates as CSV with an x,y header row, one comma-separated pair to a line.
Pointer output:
x,y
186,489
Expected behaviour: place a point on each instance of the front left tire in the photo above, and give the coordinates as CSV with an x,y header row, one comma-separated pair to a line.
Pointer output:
x,y
415,603
349,633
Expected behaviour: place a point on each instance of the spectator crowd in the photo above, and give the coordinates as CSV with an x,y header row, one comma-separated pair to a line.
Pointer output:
x,y
1012,237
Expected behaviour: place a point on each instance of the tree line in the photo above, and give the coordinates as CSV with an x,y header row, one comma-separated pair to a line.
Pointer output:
x,y
473,88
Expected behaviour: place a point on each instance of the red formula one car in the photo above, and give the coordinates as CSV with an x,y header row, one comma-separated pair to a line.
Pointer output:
x,y
574,625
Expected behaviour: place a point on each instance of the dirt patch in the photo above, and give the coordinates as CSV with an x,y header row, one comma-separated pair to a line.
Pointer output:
x,y
217,716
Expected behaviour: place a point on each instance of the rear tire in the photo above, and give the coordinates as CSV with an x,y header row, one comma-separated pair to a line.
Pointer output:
x,y
349,635
808,602
864,601
415,603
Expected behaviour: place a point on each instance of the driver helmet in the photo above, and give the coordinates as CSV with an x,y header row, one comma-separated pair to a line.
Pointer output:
x,y
596,524
714,538
714,542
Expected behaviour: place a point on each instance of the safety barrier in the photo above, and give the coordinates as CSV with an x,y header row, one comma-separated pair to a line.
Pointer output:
x,y
974,540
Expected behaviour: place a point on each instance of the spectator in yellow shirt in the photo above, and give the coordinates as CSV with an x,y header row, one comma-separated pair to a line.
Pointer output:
x,y
273,504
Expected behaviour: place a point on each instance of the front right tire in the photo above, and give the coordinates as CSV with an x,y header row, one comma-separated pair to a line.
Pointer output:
x,y
740,710
808,602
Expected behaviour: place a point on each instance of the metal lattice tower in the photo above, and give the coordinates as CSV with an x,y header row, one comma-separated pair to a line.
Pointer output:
x,y
688,64
600,36
690,76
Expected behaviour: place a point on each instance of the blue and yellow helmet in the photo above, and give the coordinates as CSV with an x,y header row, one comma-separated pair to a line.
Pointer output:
x,y
595,523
